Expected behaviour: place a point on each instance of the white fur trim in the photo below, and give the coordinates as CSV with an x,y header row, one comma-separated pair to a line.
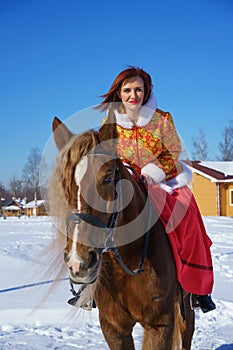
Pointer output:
x,y
145,114
147,110
182,178
156,173
123,120
166,188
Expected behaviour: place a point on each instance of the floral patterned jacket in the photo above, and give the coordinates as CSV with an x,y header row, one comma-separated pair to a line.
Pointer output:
x,y
152,140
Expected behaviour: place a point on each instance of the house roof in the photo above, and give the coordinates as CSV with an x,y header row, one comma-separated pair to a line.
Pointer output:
x,y
11,201
215,171
32,204
12,207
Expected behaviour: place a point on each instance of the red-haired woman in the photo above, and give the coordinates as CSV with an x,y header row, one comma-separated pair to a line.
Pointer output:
x,y
149,143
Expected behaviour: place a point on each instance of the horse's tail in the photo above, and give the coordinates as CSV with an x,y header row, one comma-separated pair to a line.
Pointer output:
x,y
179,327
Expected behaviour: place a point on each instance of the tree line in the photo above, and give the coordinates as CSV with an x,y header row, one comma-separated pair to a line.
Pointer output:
x,y
225,147
28,185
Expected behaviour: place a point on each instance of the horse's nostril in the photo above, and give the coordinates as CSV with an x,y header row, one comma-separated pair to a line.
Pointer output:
x,y
92,261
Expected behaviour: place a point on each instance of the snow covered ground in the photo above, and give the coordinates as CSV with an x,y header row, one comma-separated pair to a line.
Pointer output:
x,y
56,325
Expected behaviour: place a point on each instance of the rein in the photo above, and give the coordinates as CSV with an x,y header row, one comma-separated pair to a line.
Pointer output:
x,y
90,219
115,250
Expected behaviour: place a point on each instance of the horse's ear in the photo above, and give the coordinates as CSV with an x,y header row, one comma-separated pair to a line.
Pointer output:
x,y
61,133
108,130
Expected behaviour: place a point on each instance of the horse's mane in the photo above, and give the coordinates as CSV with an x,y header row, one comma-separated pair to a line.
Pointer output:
x,y
60,185
59,189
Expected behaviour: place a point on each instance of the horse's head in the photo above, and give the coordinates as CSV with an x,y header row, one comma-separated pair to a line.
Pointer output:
x,y
88,172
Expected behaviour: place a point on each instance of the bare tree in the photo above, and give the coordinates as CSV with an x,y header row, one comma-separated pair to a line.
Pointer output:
x,y
4,193
226,146
200,147
16,187
31,171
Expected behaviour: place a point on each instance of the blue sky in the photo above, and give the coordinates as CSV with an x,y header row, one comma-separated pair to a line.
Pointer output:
x,y
58,56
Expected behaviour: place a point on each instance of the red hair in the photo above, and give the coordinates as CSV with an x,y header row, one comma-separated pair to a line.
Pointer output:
x,y
113,94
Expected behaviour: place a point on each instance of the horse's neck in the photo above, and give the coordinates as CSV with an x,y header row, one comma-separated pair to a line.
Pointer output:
x,y
133,222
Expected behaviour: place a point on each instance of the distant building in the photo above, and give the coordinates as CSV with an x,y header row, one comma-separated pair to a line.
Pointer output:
x,y
11,207
212,186
36,208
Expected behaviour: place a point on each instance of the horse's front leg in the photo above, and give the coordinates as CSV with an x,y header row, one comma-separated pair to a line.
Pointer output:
x,y
190,325
116,338
117,327
160,336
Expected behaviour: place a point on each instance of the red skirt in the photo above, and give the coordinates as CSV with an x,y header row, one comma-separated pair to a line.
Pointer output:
x,y
190,243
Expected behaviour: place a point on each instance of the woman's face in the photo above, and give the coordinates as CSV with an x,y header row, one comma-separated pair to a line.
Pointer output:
x,y
132,93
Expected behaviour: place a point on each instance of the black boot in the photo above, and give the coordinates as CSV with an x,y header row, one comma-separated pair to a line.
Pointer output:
x,y
205,303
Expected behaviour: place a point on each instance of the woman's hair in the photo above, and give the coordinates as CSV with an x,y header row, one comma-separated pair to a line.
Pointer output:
x,y
113,94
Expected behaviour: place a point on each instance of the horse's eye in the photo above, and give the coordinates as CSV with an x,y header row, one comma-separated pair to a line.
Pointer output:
x,y
108,180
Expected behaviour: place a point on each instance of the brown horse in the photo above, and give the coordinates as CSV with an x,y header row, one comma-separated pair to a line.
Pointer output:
x,y
115,244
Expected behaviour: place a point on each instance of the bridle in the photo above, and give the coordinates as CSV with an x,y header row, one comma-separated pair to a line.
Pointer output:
x,y
109,244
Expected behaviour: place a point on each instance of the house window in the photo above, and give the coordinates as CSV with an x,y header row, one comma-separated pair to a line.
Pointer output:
x,y
231,197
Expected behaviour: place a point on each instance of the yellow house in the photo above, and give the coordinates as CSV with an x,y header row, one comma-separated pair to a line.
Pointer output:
x,y
11,207
212,186
36,208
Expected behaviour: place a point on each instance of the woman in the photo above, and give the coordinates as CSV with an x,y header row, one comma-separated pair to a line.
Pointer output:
x,y
149,143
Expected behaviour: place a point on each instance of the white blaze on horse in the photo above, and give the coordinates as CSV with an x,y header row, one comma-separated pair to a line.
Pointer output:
x,y
115,244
